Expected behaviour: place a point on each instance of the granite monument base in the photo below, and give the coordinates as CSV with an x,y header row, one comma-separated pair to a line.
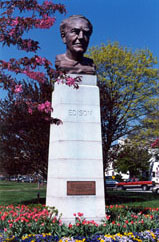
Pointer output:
x,y
75,171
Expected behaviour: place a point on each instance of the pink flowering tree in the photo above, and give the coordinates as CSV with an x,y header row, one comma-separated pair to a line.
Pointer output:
x,y
25,113
15,23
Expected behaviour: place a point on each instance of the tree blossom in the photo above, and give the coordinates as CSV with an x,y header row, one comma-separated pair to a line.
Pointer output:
x,y
46,3
15,21
69,81
12,31
38,76
44,23
40,60
13,28
41,107
45,107
18,89
30,110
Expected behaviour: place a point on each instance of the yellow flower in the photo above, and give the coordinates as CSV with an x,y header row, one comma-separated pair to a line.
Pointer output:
x,y
139,240
153,235
108,236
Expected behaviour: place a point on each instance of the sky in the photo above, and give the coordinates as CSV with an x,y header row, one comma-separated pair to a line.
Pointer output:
x,y
133,23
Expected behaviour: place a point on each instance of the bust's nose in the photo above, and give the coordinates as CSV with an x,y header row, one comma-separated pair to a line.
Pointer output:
x,y
80,36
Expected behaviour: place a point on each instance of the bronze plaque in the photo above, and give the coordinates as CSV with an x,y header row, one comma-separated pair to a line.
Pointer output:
x,y
81,188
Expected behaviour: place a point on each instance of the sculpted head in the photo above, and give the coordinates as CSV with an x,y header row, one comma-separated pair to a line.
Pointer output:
x,y
75,32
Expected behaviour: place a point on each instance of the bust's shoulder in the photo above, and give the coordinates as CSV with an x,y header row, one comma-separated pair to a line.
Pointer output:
x,y
85,66
60,61
63,57
87,60
60,57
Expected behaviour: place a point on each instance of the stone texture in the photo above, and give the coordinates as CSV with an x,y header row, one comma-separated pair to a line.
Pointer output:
x,y
75,150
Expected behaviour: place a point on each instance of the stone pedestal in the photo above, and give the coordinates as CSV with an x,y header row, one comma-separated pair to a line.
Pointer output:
x,y
75,172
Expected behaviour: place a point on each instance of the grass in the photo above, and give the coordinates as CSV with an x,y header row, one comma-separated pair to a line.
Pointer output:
x,y
23,193
7,185
132,198
26,193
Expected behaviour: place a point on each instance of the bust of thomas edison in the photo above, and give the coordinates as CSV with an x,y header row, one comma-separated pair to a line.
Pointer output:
x,y
75,32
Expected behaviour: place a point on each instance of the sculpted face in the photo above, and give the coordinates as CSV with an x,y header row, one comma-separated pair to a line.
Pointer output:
x,y
76,37
75,32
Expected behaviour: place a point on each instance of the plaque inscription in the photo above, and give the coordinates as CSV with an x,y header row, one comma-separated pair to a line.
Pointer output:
x,y
81,188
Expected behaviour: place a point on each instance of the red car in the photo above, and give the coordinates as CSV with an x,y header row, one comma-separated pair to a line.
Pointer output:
x,y
135,183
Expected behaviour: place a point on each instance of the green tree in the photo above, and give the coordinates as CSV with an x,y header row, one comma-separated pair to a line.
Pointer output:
x,y
132,158
149,124
127,81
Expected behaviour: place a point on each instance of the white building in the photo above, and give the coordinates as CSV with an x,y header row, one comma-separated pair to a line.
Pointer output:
x,y
111,172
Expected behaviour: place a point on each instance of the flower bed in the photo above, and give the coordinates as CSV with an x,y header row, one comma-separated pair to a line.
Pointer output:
x,y
146,236
40,223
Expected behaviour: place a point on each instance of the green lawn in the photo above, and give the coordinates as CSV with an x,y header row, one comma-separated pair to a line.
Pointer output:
x,y
14,192
132,198
7,185
26,193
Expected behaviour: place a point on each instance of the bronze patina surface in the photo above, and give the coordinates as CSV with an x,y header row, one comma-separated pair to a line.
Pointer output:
x,y
81,188
75,33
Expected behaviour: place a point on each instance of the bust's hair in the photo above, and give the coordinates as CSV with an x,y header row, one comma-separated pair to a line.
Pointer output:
x,y
65,22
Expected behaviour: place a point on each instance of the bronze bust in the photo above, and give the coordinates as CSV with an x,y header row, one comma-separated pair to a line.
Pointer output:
x,y
75,33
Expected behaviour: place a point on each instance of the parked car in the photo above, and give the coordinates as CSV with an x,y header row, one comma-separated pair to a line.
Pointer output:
x,y
13,178
135,183
2,178
155,189
111,183
27,179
